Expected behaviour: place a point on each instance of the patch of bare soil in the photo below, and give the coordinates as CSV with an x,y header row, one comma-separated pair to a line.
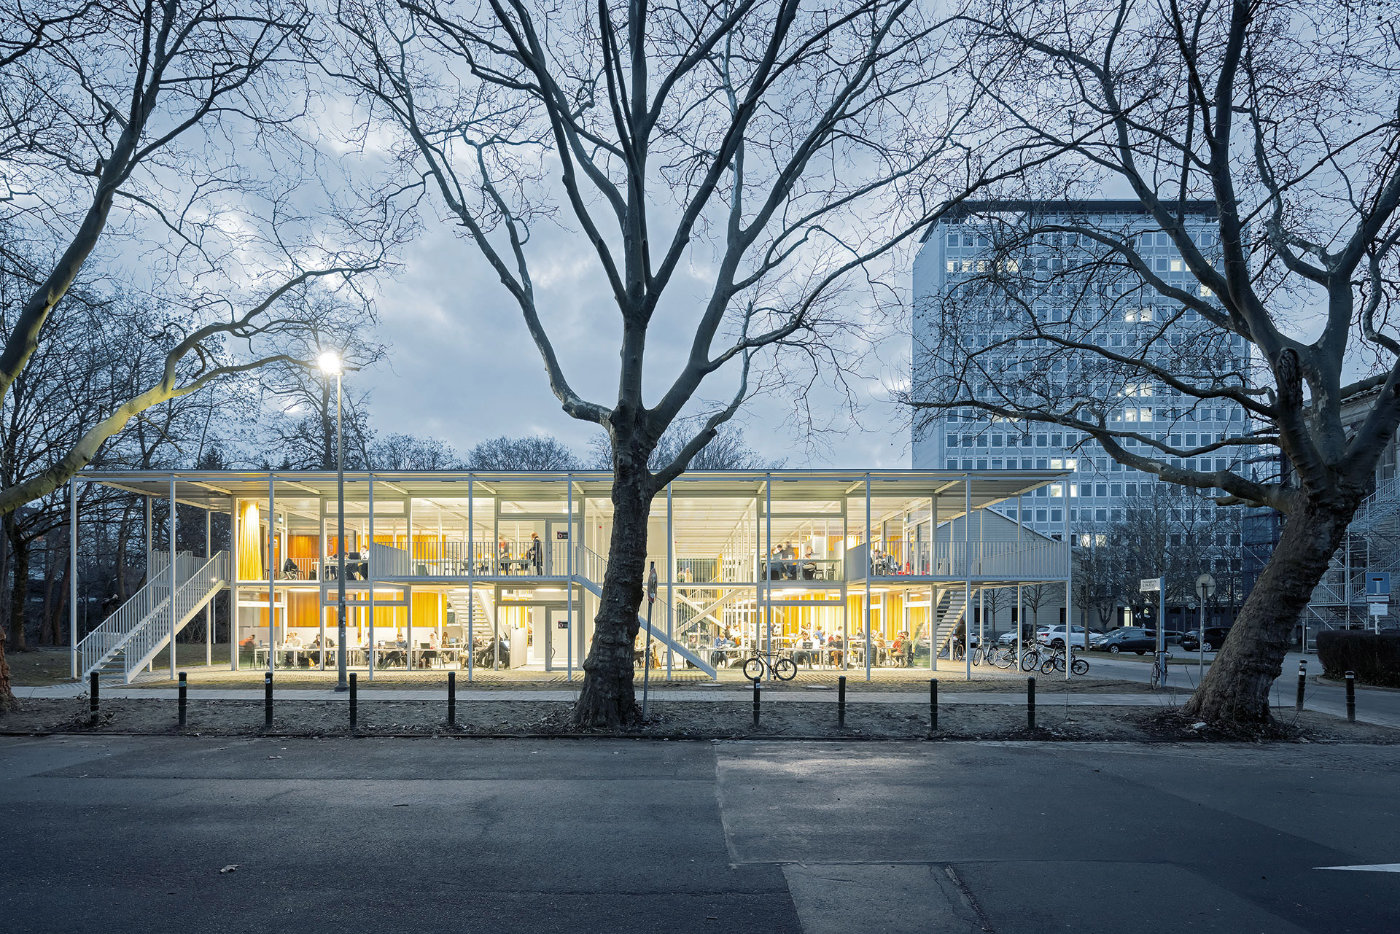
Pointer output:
x,y
669,719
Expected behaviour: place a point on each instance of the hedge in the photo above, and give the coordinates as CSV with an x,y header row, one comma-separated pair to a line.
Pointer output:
x,y
1375,657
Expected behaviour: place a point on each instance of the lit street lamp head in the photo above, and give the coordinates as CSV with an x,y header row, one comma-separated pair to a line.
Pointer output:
x,y
329,362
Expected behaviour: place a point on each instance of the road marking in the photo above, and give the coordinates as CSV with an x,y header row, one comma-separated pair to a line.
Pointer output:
x,y
1377,867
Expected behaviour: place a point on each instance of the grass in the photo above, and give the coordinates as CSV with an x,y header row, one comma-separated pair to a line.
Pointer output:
x,y
51,665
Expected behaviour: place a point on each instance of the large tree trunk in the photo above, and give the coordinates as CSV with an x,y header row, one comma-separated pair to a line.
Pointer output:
x,y
608,698
1235,691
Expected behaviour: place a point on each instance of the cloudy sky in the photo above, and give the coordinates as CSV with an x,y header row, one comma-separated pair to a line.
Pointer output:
x,y
453,328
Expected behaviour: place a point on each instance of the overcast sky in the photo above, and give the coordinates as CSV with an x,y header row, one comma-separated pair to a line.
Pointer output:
x,y
461,366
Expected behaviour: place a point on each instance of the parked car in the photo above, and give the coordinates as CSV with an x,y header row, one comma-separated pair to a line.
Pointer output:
x,y
1129,639
1055,636
1215,635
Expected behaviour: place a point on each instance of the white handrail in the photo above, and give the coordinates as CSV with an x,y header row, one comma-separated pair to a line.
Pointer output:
x,y
116,630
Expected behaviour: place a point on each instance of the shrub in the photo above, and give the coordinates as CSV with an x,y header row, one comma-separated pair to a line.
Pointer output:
x,y
1375,657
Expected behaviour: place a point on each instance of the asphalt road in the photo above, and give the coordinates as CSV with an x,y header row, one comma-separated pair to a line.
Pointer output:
x,y
1373,705
130,834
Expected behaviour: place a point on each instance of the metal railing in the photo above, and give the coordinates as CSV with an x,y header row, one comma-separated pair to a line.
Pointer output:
x,y
116,630
1026,559
192,591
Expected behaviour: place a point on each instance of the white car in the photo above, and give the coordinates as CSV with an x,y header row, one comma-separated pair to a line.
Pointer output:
x,y
1054,637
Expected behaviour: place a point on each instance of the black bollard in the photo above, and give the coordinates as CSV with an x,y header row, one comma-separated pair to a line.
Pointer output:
x,y
1351,697
841,701
933,704
184,699
1030,703
452,698
267,699
92,696
755,701
1302,682
354,692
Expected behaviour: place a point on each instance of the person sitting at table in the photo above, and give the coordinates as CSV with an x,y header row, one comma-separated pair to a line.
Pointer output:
x,y
804,649
809,564
835,649
719,654
428,657
320,644
535,554
503,558
878,641
290,571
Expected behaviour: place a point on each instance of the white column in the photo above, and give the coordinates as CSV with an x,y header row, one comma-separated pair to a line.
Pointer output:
x,y
670,578
1069,592
150,533
174,580
768,562
271,575
73,576
471,578
369,579
569,559
967,571
233,520
407,591
869,569
208,607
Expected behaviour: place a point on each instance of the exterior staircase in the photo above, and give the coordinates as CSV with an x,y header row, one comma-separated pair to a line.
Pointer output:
x,y
588,571
131,637
952,607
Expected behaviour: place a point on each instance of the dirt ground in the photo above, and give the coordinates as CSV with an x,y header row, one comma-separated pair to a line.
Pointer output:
x,y
669,719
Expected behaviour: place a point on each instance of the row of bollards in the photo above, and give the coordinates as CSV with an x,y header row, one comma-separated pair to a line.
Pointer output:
x,y
93,699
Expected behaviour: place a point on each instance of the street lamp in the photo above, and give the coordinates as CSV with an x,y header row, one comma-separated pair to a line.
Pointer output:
x,y
330,364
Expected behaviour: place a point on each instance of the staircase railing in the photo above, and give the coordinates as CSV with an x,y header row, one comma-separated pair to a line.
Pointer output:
x,y
97,646
589,564
191,593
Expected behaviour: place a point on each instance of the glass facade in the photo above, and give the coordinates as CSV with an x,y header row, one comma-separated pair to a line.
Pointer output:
x,y
496,572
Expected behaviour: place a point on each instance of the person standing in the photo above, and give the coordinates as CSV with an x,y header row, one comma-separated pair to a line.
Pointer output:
x,y
536,554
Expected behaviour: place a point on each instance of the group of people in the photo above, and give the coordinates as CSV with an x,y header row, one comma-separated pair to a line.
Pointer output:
x,y
533,559
783,564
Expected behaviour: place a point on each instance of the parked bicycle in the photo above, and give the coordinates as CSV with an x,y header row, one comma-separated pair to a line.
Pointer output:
x,y
1056,662
784,669
1159,669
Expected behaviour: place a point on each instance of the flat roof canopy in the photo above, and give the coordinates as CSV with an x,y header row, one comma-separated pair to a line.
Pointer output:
x,y
210,489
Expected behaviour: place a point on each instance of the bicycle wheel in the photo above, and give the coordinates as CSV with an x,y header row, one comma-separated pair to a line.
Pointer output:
x,y
785,669
1005,660
1030,661
753,668
977,657
1047,666
1080,667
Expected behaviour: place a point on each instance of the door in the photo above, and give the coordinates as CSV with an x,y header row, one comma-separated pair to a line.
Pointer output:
x,y
556,547
557,620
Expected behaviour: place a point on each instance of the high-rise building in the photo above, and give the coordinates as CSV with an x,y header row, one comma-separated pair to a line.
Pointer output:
x,y
1008,297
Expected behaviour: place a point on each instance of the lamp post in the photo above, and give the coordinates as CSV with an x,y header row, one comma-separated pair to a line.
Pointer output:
x,y
330,364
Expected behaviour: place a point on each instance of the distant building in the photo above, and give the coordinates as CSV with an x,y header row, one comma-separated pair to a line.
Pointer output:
x,y
1119,315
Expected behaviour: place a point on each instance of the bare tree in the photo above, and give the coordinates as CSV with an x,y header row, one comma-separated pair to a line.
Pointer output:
x,y
768,152
408,452
532,452
1277,124
302,424
156,140
727,450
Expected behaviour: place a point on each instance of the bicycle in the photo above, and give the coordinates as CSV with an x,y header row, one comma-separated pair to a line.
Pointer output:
x,y
1056,662
1159,669
978,656
784,669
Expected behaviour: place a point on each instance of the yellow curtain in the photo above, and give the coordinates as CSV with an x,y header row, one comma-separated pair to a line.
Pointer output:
x,y
250,564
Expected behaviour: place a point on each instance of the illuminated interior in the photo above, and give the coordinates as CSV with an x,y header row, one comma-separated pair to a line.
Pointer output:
x,y
496,571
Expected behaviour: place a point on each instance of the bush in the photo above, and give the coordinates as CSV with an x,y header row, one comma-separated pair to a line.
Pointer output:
x,y
1375,657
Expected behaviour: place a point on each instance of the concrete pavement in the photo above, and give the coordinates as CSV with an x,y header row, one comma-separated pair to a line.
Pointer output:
x,y
130,834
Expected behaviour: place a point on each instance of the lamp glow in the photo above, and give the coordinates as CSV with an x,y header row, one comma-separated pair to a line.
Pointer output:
x,y
329,362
